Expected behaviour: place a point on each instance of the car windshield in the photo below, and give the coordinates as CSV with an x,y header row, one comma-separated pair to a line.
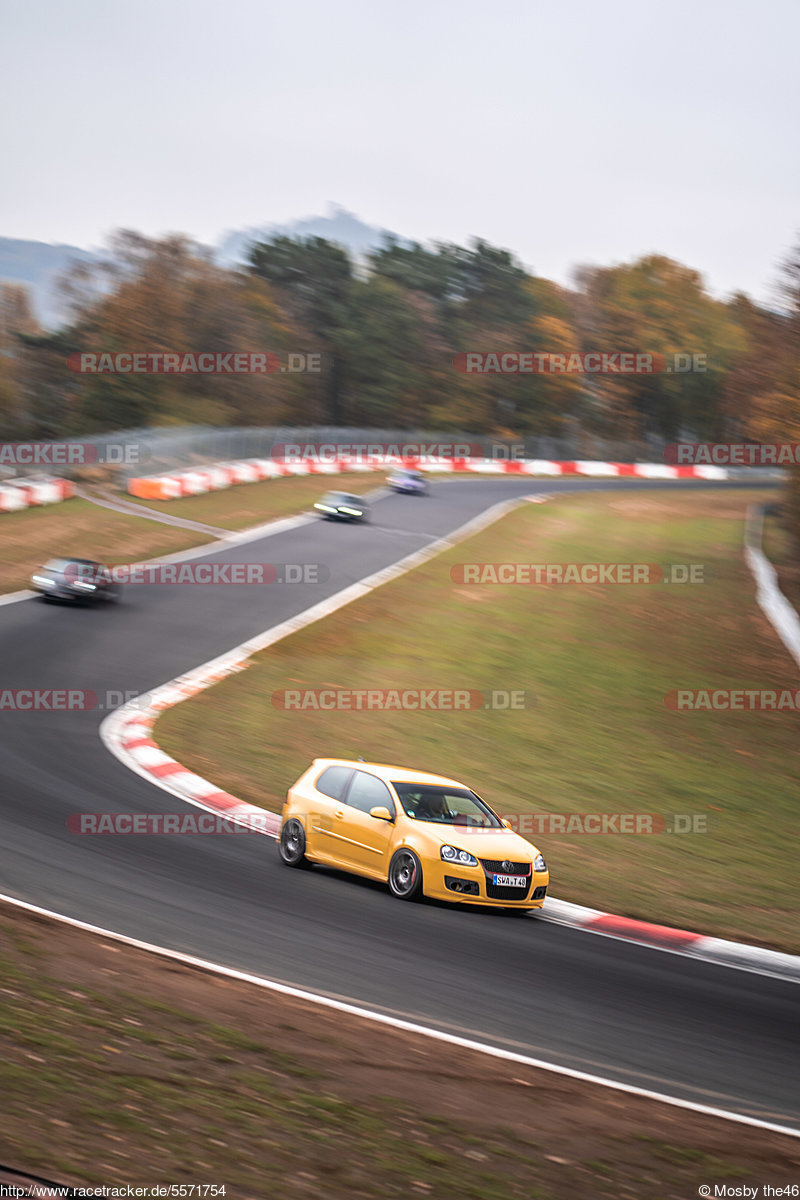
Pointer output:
x,y
59,564
444,805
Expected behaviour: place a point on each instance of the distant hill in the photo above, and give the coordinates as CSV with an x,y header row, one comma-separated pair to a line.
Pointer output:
x,y
338,226
38,264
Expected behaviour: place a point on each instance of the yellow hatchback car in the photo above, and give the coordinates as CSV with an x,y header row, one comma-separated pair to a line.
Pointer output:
x,y
422,834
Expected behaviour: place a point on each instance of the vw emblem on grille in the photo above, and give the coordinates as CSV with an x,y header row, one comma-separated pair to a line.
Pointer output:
x,y
508,866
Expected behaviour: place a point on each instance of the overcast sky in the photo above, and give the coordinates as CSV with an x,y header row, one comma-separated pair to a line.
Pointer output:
x,y
569,131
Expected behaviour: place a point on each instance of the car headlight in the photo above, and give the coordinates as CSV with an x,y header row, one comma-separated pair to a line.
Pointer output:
x,y
43,580
82,583
350,512
452,854
539,864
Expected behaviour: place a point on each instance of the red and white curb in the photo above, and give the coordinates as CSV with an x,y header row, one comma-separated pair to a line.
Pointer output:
x,y
173,484
128,734
755,959
134,744
16,494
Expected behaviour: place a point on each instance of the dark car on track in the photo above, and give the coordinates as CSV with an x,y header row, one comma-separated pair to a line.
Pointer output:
x,y
75,579
342,506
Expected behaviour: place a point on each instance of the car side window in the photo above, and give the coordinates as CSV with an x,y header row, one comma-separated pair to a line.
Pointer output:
x,y
333,781
367,792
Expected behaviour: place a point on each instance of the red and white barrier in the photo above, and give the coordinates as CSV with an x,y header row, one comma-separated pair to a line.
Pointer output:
x,y
16,494
222,475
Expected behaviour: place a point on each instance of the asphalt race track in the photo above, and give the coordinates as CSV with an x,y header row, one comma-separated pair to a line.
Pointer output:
x,y
710,1034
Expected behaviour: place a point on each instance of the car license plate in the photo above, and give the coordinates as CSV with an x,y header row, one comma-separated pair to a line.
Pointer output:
x,y
510,881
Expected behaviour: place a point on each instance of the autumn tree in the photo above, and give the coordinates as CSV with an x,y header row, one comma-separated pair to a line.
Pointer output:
x,y
660,307
475,298
312,280
386,366
168,296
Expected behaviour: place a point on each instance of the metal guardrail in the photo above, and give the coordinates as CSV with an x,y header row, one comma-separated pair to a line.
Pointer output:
x,y
158,449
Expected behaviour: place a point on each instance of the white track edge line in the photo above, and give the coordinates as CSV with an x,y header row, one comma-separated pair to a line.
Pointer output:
x,y
15,597
777,608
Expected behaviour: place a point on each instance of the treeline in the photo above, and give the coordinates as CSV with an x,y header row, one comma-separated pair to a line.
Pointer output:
x,y
387,330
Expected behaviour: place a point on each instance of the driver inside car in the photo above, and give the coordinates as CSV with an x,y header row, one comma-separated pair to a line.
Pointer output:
x,y
433,808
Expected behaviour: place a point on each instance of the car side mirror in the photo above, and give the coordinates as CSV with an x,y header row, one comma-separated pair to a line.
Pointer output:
x,y
506,822
381,813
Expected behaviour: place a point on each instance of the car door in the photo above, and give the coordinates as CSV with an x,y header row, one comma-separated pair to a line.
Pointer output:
x,y
364,842
325,799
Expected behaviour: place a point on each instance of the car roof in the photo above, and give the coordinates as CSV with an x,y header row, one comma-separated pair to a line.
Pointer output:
x,y
389,773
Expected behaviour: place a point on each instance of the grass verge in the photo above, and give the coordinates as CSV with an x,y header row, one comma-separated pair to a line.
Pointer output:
x,y
119,1068
595,735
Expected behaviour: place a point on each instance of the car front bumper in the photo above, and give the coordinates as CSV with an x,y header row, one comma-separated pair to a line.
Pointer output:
x,y
439,880
72,595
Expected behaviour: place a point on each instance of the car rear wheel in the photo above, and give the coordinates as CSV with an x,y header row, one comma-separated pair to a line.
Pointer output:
x,y
405,875
292,844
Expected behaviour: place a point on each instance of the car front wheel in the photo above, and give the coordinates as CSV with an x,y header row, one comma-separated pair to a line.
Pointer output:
x,y
405,875
292,844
